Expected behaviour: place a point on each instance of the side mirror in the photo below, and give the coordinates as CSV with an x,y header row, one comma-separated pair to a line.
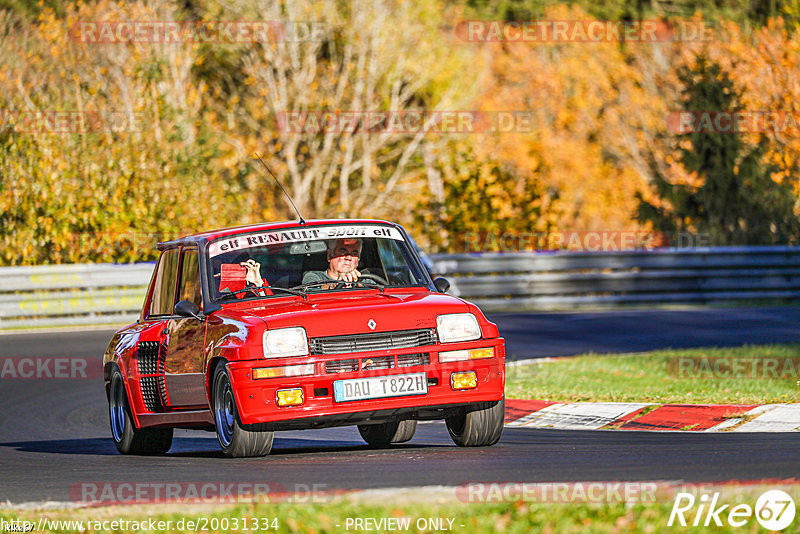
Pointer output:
x,y
187,308
442,285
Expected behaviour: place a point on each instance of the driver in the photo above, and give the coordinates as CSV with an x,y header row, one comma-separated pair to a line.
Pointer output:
x,y
343,257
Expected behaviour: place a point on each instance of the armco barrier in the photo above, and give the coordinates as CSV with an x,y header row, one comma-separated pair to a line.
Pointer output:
x,y
559,280
62,295
104,293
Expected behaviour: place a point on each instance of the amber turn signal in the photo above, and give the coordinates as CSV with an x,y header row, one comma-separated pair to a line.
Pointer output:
x,y
288,370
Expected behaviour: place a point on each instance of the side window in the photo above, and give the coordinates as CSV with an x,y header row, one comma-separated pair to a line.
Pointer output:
x,y
393,260
397,264
164,284
189,288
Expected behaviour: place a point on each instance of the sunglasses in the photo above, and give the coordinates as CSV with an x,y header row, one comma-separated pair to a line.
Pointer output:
x,y
339,252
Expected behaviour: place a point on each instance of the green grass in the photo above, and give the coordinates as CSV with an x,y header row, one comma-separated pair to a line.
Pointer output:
x,y
654,377
331,517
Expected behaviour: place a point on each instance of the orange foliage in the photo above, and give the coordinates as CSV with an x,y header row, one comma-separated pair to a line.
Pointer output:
x,y
582,97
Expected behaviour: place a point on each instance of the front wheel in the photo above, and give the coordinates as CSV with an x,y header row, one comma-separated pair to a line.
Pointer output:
x,y
128,438
235,440
387,433
479,426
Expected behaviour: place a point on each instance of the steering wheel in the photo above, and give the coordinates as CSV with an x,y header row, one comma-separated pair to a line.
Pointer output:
x,y
374,277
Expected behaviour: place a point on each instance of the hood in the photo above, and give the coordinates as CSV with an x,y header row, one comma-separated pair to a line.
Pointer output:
x,y
346,313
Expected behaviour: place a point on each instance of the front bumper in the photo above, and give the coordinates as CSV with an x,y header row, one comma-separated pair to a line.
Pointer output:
x,y
256,398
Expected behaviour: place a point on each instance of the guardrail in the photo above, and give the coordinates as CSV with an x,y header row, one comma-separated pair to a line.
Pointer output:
x,y
559,280
63,295
106,293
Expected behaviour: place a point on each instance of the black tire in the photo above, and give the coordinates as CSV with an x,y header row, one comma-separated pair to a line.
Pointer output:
x,y
128,438
480,426
405,431
385,434
235,440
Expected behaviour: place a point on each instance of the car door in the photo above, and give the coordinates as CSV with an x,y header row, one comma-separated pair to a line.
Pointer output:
x,y
185,337
156,314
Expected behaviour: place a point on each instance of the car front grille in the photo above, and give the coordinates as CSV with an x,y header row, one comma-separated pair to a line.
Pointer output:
x,y
409,360
341,366
377,341
379,362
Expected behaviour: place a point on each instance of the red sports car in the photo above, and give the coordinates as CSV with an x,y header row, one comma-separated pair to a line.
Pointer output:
x,y
246,331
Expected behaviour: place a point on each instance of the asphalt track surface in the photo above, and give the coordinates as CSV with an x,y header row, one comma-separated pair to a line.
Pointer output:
x,y
54,433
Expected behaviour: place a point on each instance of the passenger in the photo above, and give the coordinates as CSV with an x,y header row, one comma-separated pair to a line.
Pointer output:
x,y
343,257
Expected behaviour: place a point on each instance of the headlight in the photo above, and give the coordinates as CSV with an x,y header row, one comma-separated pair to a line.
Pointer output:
x,y
457,327
285,342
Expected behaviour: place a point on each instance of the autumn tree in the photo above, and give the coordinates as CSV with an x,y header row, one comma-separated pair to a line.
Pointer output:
x,y
358,58
735,200
595,138
104,191
482,198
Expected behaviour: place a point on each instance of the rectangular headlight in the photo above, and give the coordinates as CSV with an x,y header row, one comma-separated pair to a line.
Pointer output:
x,y
285,342
457,327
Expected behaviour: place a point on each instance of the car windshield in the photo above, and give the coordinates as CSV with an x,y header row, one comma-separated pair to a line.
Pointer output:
x,y
314,259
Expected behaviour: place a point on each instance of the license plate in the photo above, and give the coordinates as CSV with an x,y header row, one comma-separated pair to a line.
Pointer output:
x,y
380,387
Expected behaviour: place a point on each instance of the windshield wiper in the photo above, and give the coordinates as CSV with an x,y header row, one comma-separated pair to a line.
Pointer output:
x,y
288,290
337,283
304,287
255,290
372,283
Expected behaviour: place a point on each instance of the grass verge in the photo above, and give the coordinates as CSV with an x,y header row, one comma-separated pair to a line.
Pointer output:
x,y
438,511
743,375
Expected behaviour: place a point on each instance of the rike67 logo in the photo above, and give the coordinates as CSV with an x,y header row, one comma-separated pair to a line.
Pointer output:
x,y
774,510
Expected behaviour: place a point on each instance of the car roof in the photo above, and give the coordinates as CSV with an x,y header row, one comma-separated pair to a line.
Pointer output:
x,y
262,227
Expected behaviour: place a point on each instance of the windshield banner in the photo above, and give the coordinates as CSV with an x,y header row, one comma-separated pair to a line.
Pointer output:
x,y
245,241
